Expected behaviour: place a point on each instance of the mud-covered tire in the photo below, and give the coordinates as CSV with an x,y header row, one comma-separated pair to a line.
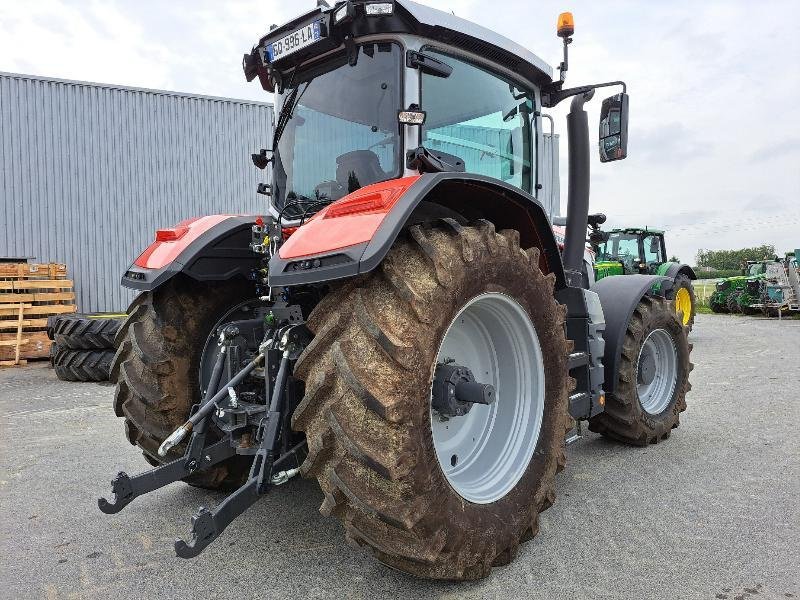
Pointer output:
x,y
78,332
682,282
366,410
732,304
157,362
624,418
717,308
81,365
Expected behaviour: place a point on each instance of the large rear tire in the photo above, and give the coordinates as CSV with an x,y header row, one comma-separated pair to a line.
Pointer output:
x,y
367,407
156,367
652,379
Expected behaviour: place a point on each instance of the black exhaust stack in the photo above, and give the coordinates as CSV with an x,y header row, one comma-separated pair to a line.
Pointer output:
x,y
578,194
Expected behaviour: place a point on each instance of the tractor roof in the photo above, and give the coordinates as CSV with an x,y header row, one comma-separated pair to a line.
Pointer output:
x,y
442,25
409,18
637,230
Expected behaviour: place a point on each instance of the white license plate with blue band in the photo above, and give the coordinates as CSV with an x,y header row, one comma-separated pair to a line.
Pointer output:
x,y
292,42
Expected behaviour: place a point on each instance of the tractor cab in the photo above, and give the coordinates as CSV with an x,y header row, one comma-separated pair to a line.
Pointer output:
x,y
635,250
756,268
368,92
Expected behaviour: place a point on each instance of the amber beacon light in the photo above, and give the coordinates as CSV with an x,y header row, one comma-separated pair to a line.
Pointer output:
x,y
566,25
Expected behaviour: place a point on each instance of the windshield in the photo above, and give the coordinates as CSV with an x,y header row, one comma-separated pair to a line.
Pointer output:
x,y
340,129
757,269
620,246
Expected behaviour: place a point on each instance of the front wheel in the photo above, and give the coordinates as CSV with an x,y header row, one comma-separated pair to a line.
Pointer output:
x,y
652,378
432,491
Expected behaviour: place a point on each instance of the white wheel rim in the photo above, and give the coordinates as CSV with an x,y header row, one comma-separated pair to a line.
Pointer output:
x,y
485,453
656,371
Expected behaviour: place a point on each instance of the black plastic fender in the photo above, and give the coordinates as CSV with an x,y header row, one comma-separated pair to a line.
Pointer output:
x,y
619,296
675,268
473,196
220,253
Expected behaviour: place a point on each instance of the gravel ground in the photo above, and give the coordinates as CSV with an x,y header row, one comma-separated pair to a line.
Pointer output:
x,y
713,512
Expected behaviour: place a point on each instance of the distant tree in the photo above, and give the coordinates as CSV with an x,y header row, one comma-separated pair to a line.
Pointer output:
x,y
728,260
674,258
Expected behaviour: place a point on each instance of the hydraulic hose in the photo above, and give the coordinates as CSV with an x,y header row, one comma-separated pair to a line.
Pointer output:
x,y
205,409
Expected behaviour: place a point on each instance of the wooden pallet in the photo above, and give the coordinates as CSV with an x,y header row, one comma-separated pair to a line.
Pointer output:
x,y
21,270
29,293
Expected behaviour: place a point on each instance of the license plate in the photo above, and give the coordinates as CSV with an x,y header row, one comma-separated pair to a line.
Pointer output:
x,y
292,42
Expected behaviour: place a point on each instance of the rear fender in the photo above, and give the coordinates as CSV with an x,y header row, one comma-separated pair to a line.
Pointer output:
x,y
212,248
672,269
354,234
619,296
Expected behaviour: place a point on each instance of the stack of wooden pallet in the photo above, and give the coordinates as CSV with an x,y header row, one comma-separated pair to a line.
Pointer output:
x,y
29,293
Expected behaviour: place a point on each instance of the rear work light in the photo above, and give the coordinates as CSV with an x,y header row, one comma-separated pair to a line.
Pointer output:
x,y
377,9
412,116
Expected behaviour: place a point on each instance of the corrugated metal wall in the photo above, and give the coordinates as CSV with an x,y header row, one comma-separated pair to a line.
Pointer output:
x,y
88,172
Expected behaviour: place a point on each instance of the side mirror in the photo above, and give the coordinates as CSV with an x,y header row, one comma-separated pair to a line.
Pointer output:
x,y
655,245
614,128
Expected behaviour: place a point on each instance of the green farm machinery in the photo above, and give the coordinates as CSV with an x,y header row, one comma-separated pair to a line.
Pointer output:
x,y
641,250
779,289
740,293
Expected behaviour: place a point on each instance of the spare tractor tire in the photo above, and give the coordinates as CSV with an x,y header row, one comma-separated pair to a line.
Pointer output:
x,y
81,365
81,332
653,378
379,450
156,367
683,298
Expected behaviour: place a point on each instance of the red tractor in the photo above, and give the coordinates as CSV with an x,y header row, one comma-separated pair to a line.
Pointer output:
x,y
402,325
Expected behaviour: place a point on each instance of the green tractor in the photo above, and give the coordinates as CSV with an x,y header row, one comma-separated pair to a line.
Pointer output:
x,y
636,250
779,290
738,294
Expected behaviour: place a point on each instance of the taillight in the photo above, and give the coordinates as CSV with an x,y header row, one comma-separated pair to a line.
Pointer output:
x,y
171,234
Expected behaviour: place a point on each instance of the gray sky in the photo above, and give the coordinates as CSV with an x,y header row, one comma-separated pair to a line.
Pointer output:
x,y
714,150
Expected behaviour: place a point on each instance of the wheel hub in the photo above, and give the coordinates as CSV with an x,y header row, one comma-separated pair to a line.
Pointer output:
x,y
455,390
647,369
683,303
485,450
657,371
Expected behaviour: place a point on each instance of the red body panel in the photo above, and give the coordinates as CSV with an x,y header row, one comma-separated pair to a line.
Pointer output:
x,y
171,242
351,220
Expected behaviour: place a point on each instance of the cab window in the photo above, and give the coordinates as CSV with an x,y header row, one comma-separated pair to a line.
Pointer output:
x,y
483,119
652,249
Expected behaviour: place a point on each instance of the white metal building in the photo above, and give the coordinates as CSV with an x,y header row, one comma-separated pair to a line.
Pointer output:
x,y
89,171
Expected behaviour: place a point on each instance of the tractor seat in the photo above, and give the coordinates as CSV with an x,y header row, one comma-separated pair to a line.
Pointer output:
x,y
356,169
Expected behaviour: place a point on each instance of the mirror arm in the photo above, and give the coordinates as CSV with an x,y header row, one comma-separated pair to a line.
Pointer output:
x,y
553,94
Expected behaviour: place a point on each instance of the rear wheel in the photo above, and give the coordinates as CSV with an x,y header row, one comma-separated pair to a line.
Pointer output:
x,y
433,495
156,367
652,379
732,303
717,307
684,299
